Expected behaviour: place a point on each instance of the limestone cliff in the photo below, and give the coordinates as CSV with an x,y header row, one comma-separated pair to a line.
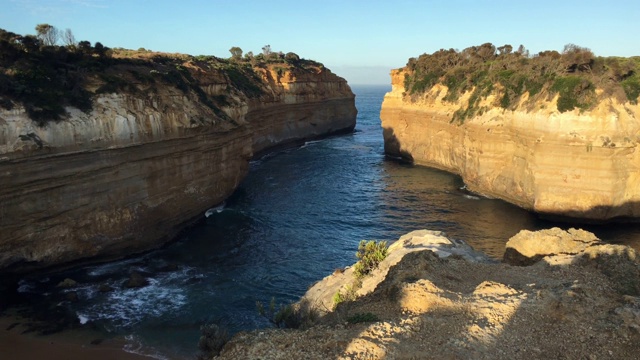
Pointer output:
x,y
151,155
580,163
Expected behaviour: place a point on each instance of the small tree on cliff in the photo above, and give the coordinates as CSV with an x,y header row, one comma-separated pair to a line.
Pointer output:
x,y
236,53
100,49
68,38
47,34
266,50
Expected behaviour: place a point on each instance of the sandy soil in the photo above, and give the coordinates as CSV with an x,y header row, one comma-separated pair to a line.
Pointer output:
x,y
16,345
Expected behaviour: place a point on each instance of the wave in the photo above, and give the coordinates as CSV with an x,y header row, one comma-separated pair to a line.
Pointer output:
x,y
126,307
135,346
215,210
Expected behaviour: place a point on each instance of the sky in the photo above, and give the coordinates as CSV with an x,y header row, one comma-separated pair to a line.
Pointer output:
x,y
360,40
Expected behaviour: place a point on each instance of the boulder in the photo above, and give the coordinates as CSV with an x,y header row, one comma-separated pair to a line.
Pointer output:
x,y
528,247
104,288
72,296
136,280
67,283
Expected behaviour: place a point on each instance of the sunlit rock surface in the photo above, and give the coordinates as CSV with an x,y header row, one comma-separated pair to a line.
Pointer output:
x,y
572,164
438,299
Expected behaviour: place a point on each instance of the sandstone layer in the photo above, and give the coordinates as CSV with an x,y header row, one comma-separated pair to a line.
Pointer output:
x,y
128,176
435,298
573,164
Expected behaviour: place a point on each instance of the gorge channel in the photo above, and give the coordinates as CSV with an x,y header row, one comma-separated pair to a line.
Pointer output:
x,y
298,216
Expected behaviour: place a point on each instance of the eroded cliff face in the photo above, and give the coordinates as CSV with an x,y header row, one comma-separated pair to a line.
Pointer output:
x,y
572,164
130,174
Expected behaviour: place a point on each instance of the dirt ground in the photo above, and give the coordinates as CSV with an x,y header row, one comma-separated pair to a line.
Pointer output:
x,y
438,303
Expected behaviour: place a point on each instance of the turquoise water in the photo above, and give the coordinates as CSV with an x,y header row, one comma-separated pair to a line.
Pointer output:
x,y
298,216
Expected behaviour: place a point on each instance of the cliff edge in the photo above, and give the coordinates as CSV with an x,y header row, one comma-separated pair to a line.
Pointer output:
x,y
102,156
556,133
436,298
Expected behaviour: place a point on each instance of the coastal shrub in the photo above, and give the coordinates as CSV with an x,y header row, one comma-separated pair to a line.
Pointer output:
x,y
285,316
631,86
244,80
45,78
362,318
573,92
349,294
212,340
337,298
486,70
370,254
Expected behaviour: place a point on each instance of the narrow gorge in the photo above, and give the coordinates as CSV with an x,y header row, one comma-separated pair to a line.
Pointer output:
x,y
164,138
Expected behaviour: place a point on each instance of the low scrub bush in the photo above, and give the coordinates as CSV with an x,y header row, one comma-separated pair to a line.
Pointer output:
x,y
631,86
574,92
370,254
573,74
286,316
212,340
347,294
362,318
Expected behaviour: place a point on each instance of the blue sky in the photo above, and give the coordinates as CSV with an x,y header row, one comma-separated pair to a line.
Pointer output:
x,y
360,40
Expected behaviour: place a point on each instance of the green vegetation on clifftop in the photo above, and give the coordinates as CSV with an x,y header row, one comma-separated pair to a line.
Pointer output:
x,y
573,76
44,77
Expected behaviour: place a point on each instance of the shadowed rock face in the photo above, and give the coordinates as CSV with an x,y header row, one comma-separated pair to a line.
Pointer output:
x,y
577,165
131,174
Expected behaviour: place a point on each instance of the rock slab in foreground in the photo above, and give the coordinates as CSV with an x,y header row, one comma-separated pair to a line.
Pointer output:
x,y
528,247
578,306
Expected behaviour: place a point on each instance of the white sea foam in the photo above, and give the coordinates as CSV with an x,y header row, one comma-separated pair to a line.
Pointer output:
x,y
215,210
126,307
307,143
25,287
134,346
110,267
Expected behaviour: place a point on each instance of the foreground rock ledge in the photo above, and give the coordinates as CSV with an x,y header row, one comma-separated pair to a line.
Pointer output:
x,y
436,298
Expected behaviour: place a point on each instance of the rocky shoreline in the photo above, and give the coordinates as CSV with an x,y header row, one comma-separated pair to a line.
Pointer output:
x,y
436,298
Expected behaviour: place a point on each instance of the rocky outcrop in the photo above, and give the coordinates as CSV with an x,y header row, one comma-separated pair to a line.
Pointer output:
x,y
321,296
528,247
131,173
436,304
575,164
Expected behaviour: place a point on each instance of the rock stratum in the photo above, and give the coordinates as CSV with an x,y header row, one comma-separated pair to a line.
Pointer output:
x,y
157,148
436,298
582,163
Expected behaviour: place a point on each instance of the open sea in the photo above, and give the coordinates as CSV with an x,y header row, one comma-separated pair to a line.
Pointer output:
x,y
297,217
